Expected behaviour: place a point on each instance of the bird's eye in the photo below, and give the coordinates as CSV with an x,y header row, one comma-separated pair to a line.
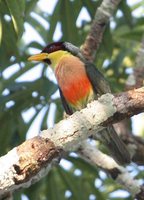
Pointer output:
x,y
51,47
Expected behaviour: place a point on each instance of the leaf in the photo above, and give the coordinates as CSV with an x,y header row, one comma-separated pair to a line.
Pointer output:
x,y
138,4
0,31
59,110
107,41
38,27
68,21
44,119
6,83
36,191
81,164
8,41
53,20
29,6
55,188
127,12
35,45
16,11
91,6
70,183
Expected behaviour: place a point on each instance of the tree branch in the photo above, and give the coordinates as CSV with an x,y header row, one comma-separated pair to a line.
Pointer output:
x,y
31,160
118,173
102,17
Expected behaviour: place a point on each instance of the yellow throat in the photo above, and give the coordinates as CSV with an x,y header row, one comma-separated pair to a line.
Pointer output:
x,y
56,56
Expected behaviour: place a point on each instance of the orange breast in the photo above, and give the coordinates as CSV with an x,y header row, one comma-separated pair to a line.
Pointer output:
x,y
73,81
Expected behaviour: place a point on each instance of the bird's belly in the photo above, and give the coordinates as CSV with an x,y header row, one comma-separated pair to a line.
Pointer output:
x,y
77,91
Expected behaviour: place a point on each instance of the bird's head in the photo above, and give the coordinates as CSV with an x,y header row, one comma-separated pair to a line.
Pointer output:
x,y
53,52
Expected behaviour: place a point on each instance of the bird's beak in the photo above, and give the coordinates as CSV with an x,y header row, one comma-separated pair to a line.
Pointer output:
x,y
38,57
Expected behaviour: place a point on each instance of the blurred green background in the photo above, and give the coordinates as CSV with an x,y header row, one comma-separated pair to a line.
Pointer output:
x,y
29,93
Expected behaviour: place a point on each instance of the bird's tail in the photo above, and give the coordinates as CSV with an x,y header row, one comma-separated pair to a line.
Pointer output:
x,y
115,145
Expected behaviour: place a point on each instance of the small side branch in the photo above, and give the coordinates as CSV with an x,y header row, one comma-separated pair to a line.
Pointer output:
x,y
118,173
102,17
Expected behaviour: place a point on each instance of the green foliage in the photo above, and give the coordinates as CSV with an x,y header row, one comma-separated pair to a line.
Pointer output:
x,y
116,54
11,28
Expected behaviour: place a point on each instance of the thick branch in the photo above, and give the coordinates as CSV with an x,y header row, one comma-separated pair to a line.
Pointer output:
x,y
102,17
31,160
128,103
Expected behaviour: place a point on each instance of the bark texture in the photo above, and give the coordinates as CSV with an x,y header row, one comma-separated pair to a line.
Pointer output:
x,y
103,14
30,161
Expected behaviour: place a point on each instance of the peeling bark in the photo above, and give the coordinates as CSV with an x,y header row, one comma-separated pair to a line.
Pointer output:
x,y
34,154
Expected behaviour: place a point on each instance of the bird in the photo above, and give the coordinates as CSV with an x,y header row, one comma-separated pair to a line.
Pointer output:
x,y
79,83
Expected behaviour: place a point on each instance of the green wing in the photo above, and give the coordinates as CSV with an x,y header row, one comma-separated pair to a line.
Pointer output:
x,y
99,83
67,108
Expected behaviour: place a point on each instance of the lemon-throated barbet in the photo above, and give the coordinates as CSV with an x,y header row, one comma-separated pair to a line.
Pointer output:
x,y
79,83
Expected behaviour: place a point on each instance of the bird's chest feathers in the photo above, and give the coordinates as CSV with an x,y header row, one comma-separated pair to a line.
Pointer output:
x,y
73,81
